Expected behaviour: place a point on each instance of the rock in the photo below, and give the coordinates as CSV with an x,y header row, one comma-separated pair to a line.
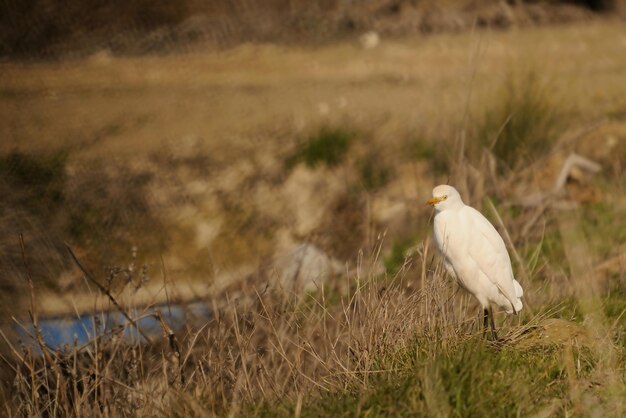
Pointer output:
x,y
401,201
385,210
304,267
310,193
369,40
207,231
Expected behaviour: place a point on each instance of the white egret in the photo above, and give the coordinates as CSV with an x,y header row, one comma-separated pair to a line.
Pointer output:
x,y
474,254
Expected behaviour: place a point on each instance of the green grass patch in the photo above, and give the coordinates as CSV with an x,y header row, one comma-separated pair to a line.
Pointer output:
x,y
523,122
36,181
105,213
328,146
553,249
111,214
374,172
603,228
614,304
569,308
396,257
470,379
420,149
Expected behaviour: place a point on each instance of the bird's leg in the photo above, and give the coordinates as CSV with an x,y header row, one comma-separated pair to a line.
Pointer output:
x,y
493,325
485,321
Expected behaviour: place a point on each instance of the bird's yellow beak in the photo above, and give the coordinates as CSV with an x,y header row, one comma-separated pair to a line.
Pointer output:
x,y
436,200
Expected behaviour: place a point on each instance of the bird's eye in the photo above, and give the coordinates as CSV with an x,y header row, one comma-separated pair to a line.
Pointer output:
x,y
444,197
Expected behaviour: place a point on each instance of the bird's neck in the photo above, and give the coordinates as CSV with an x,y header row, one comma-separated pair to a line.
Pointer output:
x,y
456,206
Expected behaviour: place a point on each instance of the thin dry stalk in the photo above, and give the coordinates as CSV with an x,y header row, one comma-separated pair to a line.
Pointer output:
x,y
108,294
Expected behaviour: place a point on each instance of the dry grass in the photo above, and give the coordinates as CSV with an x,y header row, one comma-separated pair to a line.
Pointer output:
x,y
353,346
263,343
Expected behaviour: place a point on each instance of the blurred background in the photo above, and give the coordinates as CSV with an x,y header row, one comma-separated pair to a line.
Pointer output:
x,y
243,182
219,144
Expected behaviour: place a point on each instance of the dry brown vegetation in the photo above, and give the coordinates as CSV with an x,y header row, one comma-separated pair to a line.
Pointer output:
x,y
268,352
213,165
45,28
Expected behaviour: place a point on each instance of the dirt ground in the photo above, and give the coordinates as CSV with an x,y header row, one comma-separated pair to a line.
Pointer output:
x,y
107,106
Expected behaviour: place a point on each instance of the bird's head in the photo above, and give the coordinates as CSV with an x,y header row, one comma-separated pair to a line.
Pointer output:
x,y
445,197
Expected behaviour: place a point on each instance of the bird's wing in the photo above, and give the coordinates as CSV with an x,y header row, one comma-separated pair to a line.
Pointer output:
x,y
488,251
438,235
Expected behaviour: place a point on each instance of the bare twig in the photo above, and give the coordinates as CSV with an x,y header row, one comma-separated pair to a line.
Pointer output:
x,y
175,358
109,295
574,160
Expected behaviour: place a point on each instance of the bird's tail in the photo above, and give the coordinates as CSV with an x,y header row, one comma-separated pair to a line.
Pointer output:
x,y
519,292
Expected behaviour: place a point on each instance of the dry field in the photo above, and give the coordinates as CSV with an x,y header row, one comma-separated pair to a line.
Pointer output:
x,y
216,165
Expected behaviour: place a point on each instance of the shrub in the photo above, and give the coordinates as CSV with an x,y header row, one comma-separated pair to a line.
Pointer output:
x,y
103,212
328,146
35,181
374,172
419,149
109,212
395,259
522,123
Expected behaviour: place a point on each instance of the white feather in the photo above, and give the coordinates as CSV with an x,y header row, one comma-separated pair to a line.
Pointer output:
x,y
475,251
